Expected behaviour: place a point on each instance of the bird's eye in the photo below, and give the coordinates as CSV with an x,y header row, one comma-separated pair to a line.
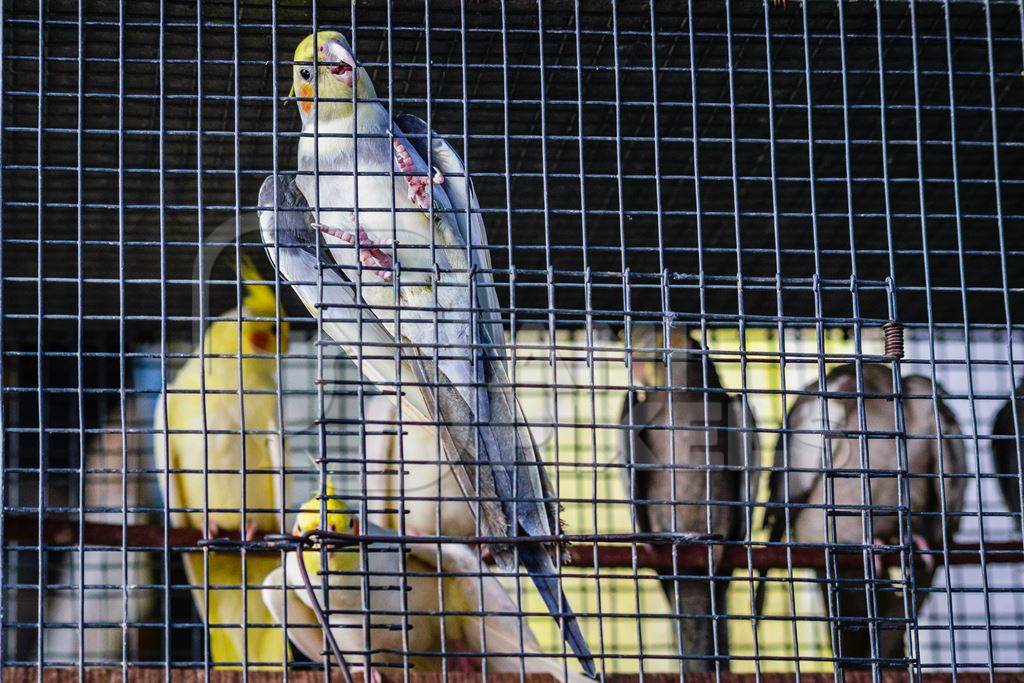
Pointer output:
x,y
305,73
273,329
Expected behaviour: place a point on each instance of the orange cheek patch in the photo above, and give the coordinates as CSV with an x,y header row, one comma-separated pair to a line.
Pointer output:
x,y
306,91
261,340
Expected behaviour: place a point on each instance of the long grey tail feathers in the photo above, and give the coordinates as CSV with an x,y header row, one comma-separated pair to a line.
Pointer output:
x,y
538,563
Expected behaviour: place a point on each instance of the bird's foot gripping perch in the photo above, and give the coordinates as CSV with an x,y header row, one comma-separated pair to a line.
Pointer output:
x,y
920,544
370,675
418,184
370,253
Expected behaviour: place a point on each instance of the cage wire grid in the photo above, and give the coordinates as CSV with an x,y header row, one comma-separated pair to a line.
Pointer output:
x,y
700,220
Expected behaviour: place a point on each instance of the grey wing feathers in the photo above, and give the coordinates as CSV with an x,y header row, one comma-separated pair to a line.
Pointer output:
x,y
1007,450
802,469
536,510
635,450
463,200
951,450
290,242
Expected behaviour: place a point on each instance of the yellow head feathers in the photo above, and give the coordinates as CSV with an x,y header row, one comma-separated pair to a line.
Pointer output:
x,y
331,79
304,50
258,337
339,518
259,298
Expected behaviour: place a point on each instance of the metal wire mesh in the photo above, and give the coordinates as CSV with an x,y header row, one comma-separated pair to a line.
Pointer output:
x,y
699,220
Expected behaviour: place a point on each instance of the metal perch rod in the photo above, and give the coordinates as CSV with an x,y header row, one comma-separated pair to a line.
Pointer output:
x,y
651,551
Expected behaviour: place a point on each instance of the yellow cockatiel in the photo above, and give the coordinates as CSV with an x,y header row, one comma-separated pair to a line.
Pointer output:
x,y
205,453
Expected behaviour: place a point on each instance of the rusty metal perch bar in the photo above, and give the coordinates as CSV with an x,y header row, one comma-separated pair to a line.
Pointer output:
x,y
608,549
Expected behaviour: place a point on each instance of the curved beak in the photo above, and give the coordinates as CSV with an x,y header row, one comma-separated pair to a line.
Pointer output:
x,y
339,61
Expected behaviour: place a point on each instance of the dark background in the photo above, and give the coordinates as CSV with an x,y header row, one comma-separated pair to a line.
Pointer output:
x,y
168,123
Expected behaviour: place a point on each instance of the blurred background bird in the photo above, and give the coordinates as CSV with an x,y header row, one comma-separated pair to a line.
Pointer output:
x,y
415,244
221,417
685,445
1008,450
812,471
406,594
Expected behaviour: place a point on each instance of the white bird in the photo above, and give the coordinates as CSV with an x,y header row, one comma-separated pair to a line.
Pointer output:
x,y
441,606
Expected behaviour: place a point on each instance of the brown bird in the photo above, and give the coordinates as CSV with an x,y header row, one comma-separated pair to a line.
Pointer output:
x,y
854,430
1008,449
684,453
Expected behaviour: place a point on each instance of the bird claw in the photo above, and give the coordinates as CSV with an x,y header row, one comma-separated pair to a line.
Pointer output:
x,y
922,545
212,529
371,675
461,663
250,531
370,255
877,555
919,543
417,184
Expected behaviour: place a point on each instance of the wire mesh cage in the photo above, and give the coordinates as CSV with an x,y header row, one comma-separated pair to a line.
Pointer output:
x,y
511,339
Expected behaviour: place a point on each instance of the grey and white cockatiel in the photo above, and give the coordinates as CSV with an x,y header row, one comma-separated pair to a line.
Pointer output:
x,y
797,513
1008,449
413,280
685,444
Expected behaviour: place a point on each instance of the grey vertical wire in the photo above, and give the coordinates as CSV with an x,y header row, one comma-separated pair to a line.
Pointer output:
x,y
4,554
402,495
867,517
781,331
201,328
364,561
398,498
919,148
322,469
40,379
435,333
165,512
944,511
997,177
740,307
121,335
698,215
588,306
79,356
509,213
627,294
819,329
275,166
549,275
909,596
1004,268
668,354
747,509
470,191
507,351
628,351
242,314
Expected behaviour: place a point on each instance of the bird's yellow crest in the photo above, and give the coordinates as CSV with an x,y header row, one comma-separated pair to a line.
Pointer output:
x,y
259,298
304,51
339,517
257,336
334,78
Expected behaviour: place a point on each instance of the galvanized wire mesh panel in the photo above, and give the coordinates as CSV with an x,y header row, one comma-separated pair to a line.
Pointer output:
x,y
741,283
